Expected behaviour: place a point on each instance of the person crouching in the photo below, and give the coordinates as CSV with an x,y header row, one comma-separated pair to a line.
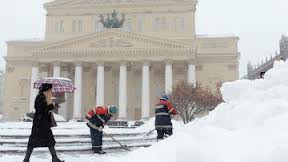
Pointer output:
x,y
163,123
96,119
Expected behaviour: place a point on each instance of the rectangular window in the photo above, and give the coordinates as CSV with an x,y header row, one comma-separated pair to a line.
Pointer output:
x,y
163,24
56,27
61,26
179,24
157,25
140,24
74,26
129,25
98,26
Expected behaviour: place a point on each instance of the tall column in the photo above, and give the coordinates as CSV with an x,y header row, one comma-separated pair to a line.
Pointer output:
x,y
168,77
56,69
123,92
145,91
64,106
100,85
191,73
33,92
78,92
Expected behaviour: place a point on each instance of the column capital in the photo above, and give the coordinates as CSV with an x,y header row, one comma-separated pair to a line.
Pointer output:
x,y
168,61
190,61
123,62
100,63
146,62
56,63
78,63
35,64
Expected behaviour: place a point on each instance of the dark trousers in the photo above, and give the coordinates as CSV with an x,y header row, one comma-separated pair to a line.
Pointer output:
x,y
161,132
96,139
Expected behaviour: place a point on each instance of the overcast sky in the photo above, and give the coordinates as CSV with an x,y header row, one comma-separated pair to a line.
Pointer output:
x,y
258,23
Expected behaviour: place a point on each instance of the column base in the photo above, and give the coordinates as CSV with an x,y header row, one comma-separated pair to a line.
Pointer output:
x,y
76,120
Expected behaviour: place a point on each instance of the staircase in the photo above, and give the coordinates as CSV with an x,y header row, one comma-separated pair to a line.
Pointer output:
x,y
70,137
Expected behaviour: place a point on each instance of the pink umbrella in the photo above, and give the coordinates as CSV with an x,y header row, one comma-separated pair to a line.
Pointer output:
x,y
60,85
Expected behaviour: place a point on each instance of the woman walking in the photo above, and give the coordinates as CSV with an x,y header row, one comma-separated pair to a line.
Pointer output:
x,y
41,135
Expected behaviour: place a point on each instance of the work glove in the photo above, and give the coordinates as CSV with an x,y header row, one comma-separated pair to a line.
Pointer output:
x,y
100,129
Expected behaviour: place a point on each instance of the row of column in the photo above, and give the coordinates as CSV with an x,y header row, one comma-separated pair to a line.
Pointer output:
x,y
77,105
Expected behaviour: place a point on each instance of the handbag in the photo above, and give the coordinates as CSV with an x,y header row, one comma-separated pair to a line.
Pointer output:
x,y
52,121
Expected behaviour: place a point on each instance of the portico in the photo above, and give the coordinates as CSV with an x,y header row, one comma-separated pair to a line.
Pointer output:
x,y
124,65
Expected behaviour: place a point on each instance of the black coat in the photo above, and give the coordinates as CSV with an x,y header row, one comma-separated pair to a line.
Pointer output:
x,y
41,135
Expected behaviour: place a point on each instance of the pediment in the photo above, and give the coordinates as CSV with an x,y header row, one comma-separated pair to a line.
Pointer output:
x,y
112,39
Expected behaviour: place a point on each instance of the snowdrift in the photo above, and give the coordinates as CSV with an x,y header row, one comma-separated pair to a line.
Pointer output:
x,y
250,126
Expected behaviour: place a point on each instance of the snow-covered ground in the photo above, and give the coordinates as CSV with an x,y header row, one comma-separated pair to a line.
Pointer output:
x,y
250,126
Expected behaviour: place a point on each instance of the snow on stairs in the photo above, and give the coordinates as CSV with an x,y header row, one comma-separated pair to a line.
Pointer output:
x,y
75,138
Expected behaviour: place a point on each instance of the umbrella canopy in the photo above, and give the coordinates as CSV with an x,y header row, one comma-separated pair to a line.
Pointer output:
x,y
59,84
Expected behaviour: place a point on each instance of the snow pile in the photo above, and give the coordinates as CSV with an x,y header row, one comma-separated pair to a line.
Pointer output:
x,y
251,126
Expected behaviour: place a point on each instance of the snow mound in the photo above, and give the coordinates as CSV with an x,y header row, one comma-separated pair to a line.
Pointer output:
x,y
250,126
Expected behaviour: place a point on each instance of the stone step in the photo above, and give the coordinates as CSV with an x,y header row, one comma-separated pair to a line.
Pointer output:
x,y
15,149
76,140
66,135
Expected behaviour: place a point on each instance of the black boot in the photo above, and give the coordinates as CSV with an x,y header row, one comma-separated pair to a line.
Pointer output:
x,y
54,155
100,152
26,160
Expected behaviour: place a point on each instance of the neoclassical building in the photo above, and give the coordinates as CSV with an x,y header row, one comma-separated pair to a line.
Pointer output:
x,y
129,67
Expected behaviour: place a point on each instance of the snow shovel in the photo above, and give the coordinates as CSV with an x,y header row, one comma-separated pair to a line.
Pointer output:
x,y
150,132
123,146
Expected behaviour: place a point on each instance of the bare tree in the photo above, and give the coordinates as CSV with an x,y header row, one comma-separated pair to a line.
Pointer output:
x,y
191,101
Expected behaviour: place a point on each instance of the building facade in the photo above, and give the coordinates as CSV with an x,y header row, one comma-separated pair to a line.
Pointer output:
x,y
129,67
1,90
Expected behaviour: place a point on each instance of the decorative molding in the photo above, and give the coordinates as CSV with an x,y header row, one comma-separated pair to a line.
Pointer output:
x,y
165,43
111,42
